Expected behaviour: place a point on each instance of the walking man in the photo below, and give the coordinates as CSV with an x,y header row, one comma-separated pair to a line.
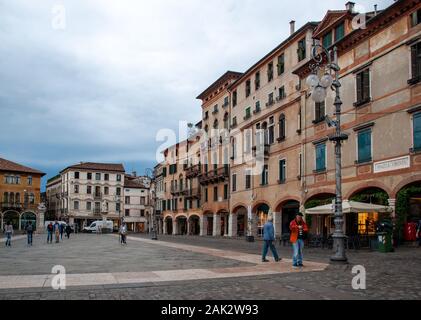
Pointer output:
x,y
269,237
299,230
9,232
68,231
123,233
50,229
61,231
29,232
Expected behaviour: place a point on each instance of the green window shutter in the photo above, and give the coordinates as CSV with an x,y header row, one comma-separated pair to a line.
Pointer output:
x,y
366,84
359,87
327,40
339,32
364,146
321,157
417,131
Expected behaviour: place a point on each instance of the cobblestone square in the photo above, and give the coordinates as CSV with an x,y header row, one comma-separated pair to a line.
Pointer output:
x,y
98,267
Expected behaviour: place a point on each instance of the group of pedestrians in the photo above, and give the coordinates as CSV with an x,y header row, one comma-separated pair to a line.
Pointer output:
x,y
57,229
299,230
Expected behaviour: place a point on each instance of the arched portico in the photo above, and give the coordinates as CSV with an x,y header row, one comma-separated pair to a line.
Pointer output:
x,y
194,225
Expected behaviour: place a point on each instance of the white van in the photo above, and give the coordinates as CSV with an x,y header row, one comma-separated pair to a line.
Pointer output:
x,y
98,226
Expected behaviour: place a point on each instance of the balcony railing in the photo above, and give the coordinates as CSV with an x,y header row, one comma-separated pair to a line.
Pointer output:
x,y
193,171
11,205
214,176
97,195
193,193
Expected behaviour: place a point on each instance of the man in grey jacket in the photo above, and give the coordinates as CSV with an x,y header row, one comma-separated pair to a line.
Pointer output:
x,y
269,237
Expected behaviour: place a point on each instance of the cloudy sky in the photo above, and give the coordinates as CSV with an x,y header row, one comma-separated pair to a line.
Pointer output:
x,y
100,88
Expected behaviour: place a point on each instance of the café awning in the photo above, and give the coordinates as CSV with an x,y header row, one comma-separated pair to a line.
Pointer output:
x,y
349,207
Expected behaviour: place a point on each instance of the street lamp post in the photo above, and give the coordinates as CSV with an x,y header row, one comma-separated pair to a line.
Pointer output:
x,y
150,174
322,63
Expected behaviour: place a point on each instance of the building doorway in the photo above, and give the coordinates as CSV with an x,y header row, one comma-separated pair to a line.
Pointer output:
x,y
13,218
27,217
194,225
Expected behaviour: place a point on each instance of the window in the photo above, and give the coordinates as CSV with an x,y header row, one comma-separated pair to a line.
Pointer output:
x,y
300,165
89,176
226,102
247,142
270,100
215,193
234,149
282,94
270,71
89,189
363,87
206,195
117,207
215,124
339,32
282,170
206,115
118,191
234,122
88,206
106,191
416,18
76,188
234,182
281,64
248,88
320,111
226,121
364,146
321,157
282,127
76,175
234,98
127,200
97,176
257,81
142,213
119,177
301,51
257,110
76,205
327,40
106,177
417,131
271,131
248,179
415,63
127,212
265,175
29,180
225,192
248,113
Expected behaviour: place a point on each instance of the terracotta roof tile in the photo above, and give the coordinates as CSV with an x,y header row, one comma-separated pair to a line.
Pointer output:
x,y
6,165
118,167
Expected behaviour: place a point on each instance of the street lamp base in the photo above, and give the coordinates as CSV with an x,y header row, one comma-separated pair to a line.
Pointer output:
x,y
339,260
154,236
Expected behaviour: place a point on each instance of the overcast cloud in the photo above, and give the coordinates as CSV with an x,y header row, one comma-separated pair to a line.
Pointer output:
x,y
100,89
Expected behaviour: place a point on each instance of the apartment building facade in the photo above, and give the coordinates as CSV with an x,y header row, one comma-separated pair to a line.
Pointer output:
x,y
280,158
137,203
53,198
92,191
20,189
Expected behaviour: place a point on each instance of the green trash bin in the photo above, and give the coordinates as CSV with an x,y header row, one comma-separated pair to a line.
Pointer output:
x,y
384,242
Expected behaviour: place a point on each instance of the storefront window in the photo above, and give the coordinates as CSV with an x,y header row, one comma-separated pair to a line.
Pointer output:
x,y
367,223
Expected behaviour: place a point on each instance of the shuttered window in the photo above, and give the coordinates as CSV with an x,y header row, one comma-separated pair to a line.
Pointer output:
x,y
363,87
417,131
364,146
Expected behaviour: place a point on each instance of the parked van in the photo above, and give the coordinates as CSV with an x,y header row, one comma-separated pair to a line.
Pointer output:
x,y
99,226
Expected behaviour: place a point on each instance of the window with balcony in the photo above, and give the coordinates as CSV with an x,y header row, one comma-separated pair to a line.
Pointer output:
x,y
415,64
282,128
270,100
248,88
234,122
321,157
301,50
270,71
363,88
281,94
248,113
281,64
271,131
234,98
257,107
364,146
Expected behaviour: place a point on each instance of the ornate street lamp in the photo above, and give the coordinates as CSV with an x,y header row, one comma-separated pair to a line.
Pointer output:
x,y
150,174
325,74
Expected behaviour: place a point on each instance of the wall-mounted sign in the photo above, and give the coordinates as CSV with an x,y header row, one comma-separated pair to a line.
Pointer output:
x,y
392,164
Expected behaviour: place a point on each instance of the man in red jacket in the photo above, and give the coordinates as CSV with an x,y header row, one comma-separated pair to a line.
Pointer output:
x,y
299,230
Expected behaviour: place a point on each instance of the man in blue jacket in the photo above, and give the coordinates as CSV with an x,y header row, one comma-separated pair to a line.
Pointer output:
x,y
269,237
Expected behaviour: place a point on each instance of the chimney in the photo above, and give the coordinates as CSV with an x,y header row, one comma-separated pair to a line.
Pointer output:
x,y
292,26
134,174
350,6
375,9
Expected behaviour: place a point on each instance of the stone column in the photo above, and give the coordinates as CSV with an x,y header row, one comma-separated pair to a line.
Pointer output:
x,y
174,227
277,223
392,204
232,225
188,227
203,225
216,225
165,227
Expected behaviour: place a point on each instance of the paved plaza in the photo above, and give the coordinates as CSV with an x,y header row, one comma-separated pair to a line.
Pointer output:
x,y
98,267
